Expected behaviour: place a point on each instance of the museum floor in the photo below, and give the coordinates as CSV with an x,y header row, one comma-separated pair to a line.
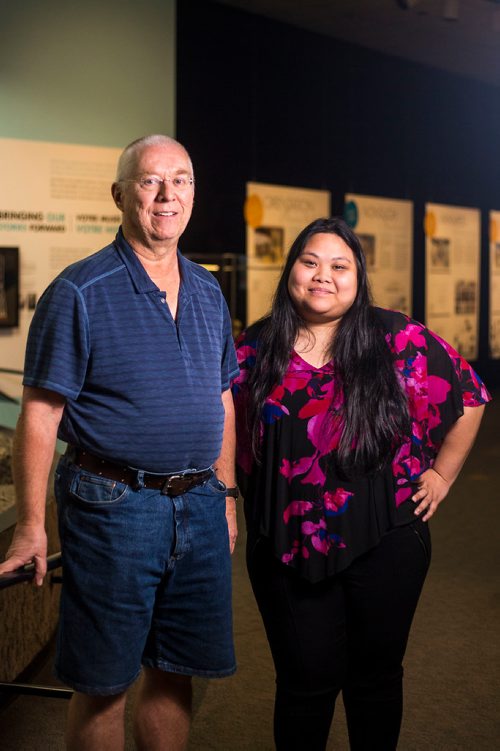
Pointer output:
x,y
452,677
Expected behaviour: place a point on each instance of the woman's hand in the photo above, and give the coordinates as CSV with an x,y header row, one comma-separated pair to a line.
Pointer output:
x,y
434,484
432,489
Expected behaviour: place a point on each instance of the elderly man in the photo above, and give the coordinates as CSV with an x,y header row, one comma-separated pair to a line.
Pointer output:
x,y
129,361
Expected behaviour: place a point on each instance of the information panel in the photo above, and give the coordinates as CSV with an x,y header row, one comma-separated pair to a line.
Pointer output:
x,y
452,251
385,229
494,322
275,215
55,208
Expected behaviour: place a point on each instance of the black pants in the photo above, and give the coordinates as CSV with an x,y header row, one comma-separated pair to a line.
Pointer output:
x,y
347,634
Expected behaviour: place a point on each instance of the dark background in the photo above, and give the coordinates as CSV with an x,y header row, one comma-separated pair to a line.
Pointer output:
x,y
259,100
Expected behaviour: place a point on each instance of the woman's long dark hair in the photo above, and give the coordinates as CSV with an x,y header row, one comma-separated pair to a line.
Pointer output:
x,y
375,413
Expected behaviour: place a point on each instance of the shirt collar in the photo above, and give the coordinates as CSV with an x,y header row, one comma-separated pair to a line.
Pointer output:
x,y
138,274
297,364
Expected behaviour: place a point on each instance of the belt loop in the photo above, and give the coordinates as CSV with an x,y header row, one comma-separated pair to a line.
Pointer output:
x,y
139,480
70,453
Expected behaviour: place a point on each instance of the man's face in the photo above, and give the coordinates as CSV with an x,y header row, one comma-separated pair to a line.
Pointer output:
x,y
156,216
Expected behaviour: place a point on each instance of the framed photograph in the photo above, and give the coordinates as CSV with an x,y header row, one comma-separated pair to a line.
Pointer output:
x,y
269,244
368,246
9,287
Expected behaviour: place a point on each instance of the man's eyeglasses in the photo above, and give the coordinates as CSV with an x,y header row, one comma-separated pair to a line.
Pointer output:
x,y
153,182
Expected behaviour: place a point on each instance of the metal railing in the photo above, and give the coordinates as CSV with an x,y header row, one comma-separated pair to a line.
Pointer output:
x,y
26,573
7,397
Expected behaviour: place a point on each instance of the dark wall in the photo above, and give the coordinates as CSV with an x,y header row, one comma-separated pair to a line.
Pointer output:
x,y
263,101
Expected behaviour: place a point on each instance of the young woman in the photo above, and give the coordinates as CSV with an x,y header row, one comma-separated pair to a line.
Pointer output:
x,y
353,423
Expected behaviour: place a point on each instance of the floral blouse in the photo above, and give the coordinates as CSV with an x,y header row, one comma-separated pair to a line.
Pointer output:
x,y
317,521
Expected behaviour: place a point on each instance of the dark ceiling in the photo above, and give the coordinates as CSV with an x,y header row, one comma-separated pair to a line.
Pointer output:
x,y
460,36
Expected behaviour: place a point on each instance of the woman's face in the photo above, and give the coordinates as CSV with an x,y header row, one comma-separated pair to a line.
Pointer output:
x,y
323,281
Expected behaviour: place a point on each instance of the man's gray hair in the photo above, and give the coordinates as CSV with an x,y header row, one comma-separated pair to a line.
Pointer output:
x,y
129,154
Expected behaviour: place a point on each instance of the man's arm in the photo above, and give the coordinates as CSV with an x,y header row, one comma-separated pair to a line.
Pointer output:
x,y
435,483
225,464
32,456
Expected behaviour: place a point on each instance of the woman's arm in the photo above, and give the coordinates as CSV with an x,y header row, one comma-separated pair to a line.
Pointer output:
x,y
435,483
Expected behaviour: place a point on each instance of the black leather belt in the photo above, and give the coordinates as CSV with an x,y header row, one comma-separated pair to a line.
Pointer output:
x,y
172,485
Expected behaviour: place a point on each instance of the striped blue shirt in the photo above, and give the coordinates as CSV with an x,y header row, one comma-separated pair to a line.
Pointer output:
x,y
141,389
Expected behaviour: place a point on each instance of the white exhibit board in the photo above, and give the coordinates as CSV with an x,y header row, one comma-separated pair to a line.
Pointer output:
x,y
452,254
494,313
55,208
275,215
385,229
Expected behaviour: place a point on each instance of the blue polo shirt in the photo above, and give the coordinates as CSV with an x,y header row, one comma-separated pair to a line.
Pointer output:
x,y
141,388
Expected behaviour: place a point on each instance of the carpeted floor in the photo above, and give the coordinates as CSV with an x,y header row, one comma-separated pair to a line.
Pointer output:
x,y
452,684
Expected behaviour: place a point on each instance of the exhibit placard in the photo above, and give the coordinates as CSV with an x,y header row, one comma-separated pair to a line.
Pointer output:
x,y
452,252
385,229
55,208
275,214
494,316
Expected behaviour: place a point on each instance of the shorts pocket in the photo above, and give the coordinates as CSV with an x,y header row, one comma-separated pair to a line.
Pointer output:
x,y
216,486
95,490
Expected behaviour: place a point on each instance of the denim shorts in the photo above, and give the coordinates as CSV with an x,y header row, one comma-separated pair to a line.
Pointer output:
x,y
146,581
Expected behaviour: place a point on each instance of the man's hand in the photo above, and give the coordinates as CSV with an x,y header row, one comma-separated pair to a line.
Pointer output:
x,y
232,524
32,454
29,544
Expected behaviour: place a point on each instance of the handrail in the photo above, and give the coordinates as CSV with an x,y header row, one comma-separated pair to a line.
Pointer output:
x,y
27,572
6,397
32,689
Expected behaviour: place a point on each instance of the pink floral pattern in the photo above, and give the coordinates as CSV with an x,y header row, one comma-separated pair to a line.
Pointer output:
x,y
319,522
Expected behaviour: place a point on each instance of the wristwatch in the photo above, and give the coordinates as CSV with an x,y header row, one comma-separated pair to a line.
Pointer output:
x,y
233,492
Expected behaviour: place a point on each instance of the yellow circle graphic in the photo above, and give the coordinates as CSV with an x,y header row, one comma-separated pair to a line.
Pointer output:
x,y
493,231
254,211
430,224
